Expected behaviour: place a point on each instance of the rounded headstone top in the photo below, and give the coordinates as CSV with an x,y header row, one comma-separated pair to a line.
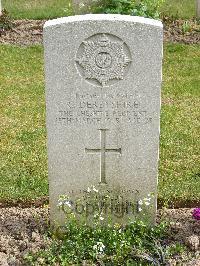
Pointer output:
x,y
103,17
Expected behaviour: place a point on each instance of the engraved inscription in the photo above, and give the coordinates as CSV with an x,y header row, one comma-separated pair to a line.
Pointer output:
x,y
103,59
97,109
103,150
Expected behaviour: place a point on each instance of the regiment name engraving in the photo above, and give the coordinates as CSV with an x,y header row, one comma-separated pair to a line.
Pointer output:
x,y
97,109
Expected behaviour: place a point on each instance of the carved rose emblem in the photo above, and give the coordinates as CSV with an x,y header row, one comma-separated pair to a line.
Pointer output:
x,y
103,60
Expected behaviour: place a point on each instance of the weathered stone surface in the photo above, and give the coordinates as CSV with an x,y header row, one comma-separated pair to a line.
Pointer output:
x,y
103,80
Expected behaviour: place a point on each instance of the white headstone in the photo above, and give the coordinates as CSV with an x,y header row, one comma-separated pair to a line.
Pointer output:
x,y
103,83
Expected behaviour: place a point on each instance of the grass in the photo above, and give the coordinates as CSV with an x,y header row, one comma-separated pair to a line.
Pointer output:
x,y
23,149
37,9
23,173
42,9
180,144
179,8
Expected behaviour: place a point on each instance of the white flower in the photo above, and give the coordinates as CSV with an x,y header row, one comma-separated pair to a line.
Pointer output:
x,y
88,190
101,218
140,202
122,243
99,247
60,203
68,203
147,199
94,189
81,5
139,209
147,203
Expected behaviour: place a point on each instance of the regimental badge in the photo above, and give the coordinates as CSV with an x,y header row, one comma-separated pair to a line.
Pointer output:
x,y
103,59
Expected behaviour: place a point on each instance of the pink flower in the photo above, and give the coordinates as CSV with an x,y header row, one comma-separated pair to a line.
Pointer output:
x,y
196,213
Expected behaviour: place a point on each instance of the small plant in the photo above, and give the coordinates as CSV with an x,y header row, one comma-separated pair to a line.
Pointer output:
x,y
110,245
101,243
114,6
5,21
144,8
186,27
175,249
148,8
68,10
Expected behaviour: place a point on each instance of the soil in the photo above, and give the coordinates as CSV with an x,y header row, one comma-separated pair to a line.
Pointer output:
x,y
24,230
21,231
181,31
29,32
23,33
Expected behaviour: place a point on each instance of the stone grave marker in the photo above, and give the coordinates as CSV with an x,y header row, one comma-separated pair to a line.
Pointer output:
x,y
103,83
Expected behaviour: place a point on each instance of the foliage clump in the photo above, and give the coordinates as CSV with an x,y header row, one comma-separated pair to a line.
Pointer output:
x,y
144,8
5,21
104,241
104,245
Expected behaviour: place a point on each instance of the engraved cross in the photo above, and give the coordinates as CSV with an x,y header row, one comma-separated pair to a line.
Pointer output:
x,y
103,150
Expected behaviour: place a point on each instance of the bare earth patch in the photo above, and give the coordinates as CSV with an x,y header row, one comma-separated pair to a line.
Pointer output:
x,y
22,231
24,32
25,229
181,31
29,32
